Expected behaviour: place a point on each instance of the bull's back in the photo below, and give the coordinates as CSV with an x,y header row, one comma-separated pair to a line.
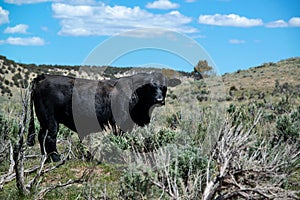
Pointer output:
x,y
53,89
52,96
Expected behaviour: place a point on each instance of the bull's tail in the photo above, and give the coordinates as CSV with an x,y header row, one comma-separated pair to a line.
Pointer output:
x,y
31,128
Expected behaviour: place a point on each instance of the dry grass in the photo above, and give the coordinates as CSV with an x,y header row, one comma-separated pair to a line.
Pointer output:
x,y
195,124
262,78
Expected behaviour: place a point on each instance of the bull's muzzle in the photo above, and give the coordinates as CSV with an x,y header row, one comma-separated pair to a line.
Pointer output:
x,y
160,101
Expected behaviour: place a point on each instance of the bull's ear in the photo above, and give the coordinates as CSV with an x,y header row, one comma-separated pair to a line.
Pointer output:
x,y
173,82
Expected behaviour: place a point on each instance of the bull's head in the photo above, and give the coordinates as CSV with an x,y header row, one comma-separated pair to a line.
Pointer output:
x,y
138,95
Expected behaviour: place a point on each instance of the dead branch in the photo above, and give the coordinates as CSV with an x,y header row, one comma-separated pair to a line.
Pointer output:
x,y
39,173
255,175
33,183
17,157
18,152
70,182
5,177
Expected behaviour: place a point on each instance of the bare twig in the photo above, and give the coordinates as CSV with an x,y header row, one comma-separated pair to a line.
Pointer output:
x,y
18,153
70,182
41,169
255,175
6,177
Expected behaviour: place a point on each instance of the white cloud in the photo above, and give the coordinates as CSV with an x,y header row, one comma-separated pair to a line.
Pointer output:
x,y
107,20
277,24
44,28
74,2
19,2
29,41
294,21
237,41
145,33
229,20
20,28
162,4
241,21
70,11
4,16
257,41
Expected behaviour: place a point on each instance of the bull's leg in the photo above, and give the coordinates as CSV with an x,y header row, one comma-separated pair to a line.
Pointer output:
x,y
30,139
41,138
47,140
50,142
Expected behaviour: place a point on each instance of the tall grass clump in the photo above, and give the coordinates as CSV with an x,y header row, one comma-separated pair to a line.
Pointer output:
x,y
245,159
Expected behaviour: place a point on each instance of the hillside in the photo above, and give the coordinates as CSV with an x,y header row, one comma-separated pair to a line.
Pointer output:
x,y
14,76
263,78
258,81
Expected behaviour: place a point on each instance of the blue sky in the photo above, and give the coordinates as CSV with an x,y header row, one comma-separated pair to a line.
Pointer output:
x,y
236,34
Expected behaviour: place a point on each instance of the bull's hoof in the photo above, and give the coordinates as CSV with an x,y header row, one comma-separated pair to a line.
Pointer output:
x,y
30,141
88,156
55,157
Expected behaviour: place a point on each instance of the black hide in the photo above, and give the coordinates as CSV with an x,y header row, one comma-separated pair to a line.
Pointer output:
x,y
87,106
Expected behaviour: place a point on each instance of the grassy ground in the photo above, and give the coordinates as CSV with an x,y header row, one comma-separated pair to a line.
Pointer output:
x,y
171,156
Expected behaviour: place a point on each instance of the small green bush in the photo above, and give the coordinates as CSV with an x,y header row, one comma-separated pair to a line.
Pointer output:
x,y
146,143
173,120
8,132
287,127
190,160
16,79
135,185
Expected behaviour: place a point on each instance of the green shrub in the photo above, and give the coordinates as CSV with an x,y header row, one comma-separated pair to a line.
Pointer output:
x,y
190,160
231,109
135,185
269,117
16,79
201,133
8,132
202,98
173,120
171,95
287,127
6,82
144,143
186,169
283,106
5,90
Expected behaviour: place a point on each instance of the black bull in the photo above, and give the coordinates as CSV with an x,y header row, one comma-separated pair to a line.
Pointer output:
x,y
87,106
